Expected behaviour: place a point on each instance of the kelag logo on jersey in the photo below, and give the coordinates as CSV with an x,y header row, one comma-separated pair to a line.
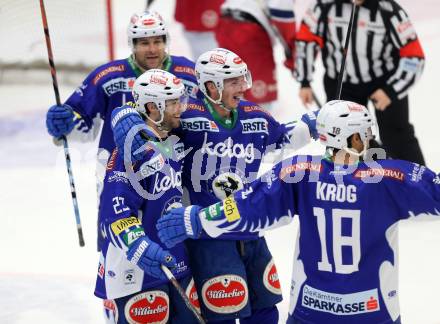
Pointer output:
x,y
199,124
118,85
254,125
165,182
348,304
229,149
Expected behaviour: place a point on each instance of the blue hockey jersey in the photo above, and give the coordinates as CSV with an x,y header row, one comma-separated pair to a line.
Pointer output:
x,y
109,86
345,268
224,155
131,203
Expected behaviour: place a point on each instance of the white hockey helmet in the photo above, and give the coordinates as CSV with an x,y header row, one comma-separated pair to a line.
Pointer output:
x,y
156,86
339,119
146,24
217,65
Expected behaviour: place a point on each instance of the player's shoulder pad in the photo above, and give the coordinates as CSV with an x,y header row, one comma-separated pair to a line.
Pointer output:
x,y
183,65
108,70
252,109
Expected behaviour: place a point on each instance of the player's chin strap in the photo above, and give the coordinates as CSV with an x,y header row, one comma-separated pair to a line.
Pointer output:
x,y
158,123
220,102
360,154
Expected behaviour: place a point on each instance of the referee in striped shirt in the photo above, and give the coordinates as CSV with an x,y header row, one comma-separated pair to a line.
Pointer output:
x,y
384,60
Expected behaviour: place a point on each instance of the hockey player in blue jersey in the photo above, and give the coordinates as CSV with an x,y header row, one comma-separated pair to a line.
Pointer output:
x,y
88,109
129,276
226,137
345,268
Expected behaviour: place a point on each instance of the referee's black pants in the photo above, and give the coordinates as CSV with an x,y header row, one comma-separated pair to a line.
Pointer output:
x,y
396,132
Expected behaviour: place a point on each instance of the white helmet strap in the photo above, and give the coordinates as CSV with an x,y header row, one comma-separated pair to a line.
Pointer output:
x,y
356,153
159,122
219,100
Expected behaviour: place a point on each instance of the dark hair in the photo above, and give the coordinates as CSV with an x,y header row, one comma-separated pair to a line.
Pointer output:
x,y
164,38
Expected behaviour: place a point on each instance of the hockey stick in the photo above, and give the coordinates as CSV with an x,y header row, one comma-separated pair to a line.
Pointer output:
x,y
182,294
315,98
148,3
354,10
53,72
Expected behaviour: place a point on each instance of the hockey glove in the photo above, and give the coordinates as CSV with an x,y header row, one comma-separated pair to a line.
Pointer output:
x,y
149,256
179,224
309,118
123,120
59,120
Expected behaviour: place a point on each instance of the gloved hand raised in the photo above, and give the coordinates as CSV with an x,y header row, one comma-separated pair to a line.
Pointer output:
x,y
149,256
309,118
179,224
123,120
59,120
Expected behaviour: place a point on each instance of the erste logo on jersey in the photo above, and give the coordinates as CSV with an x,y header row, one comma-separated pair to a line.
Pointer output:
x,y
199,124
338,304
229,149
148,307
270,278
152,166
225,294
254,125
118,85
